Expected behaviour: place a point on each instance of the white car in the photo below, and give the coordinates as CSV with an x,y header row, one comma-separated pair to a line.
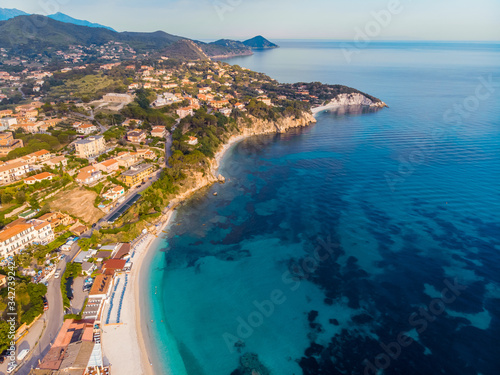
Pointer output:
x,y
22,354
57,274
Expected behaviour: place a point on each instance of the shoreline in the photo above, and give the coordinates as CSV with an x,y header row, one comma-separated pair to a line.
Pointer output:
x,y
148,361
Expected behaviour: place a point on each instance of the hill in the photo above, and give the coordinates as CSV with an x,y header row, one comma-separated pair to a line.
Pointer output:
x,y
57,34
259,42
7,14
67,19
61,33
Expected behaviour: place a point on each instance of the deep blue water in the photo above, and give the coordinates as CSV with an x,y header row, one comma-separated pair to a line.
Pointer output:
x,y
367,240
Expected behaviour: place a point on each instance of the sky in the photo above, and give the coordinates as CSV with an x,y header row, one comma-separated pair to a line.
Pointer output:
x,y
465,20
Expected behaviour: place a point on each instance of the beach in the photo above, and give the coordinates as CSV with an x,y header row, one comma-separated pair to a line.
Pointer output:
x,y
136,330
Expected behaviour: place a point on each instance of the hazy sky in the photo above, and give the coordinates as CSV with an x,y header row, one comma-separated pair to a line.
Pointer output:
x,y
286,19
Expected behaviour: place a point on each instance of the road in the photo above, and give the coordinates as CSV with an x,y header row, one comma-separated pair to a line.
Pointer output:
x,y
131,194
53,317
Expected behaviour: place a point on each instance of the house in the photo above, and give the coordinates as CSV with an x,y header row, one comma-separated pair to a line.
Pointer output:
x,y
184,112
137,174
131,122
193,141
88,175
8,143
3,281
90,147
57,218
13,172
86,129
57,161
40,156
226,111
108,166
159,132
217,104
145,154
239,106
114,193
20,234
136,136
264,100
126,159
39,178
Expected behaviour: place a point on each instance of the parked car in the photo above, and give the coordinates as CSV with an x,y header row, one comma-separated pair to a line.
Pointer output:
x,y
22,354
57,274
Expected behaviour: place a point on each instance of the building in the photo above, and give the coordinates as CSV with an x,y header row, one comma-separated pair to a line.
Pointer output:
x,y
108,166
145,154
41,156
39,178
7,122
13,172
118,98
86,129
226,111
184,112
218,104
8,143
193,141
56,219
88,175
159,132
264,100
57,161
90,147
136,136
20,234
136,174
114,193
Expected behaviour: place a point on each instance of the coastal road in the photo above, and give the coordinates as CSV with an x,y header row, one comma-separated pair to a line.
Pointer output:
x,y
131,194
53,317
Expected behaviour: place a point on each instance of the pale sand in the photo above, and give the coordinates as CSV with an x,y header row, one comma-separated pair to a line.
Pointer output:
x,y
124,344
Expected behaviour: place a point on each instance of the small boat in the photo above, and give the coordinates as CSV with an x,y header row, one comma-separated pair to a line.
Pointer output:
x,y
215,194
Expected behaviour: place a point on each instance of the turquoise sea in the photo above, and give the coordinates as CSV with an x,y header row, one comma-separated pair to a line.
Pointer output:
x,y
366,243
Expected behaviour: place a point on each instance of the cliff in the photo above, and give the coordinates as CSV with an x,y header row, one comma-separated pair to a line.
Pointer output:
x,y
355,99
282,125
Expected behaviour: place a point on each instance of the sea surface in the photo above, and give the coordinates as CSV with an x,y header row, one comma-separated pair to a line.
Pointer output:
x,y
368,242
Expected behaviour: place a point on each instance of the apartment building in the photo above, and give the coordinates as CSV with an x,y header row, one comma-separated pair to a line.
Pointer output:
x,y
13,172
8,143
20,234
90,147
136,174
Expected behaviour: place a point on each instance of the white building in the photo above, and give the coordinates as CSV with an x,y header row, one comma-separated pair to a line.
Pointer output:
x,y
20,234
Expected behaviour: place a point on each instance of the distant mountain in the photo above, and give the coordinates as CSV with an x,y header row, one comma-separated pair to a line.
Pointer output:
x,y
67,19
7,14
259,42
56,34
229,43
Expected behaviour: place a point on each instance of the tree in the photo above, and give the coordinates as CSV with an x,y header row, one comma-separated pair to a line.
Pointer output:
x,y
20,197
